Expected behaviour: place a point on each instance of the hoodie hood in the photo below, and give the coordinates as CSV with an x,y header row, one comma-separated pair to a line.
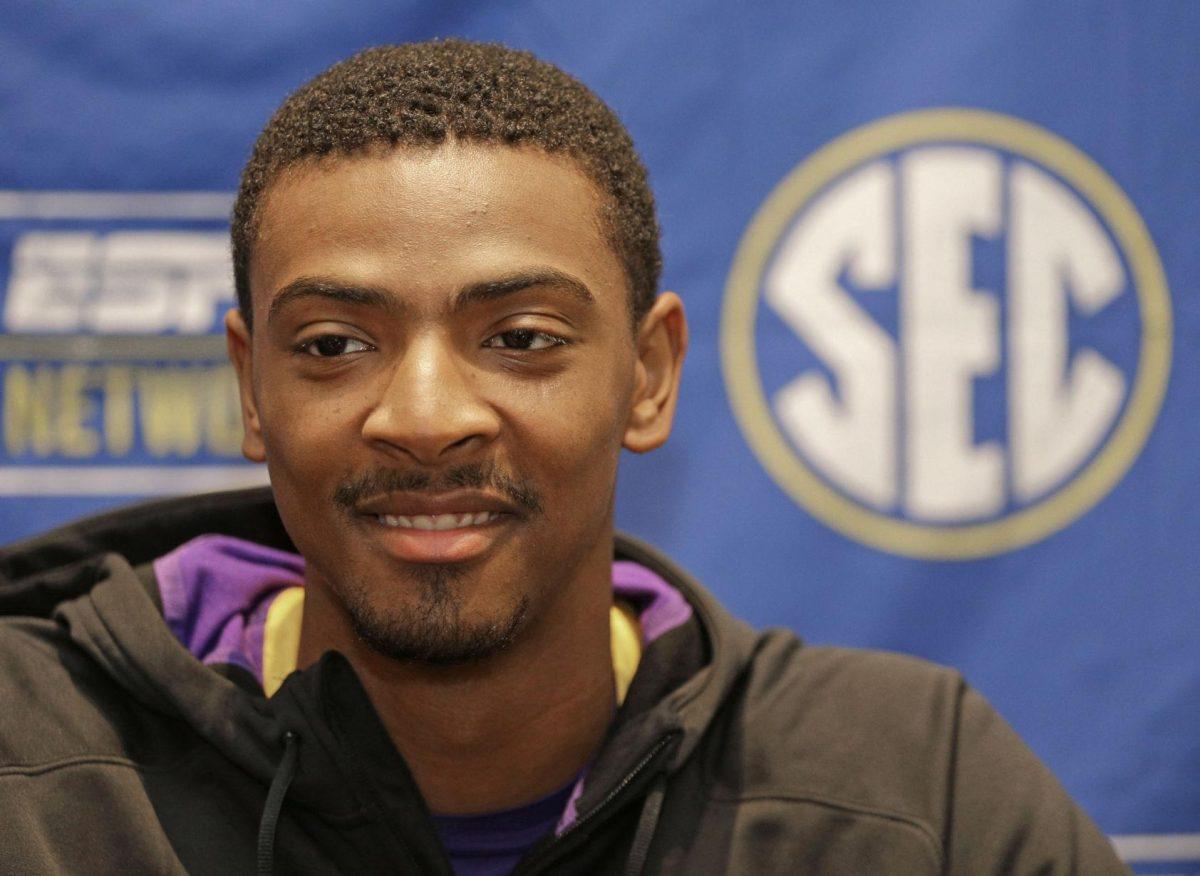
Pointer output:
x,y
96,578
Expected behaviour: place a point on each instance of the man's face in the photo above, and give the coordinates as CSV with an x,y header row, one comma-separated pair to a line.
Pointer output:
x,y
441,376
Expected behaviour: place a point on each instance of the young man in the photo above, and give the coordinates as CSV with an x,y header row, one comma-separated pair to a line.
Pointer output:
x,y
424,650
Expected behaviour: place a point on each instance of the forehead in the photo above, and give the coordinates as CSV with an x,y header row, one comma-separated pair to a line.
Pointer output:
x,y
427,220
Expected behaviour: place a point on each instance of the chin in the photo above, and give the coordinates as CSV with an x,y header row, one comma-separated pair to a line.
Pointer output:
x,y
434,627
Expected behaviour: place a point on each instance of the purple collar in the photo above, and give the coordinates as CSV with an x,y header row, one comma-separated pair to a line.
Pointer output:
x,y
216,591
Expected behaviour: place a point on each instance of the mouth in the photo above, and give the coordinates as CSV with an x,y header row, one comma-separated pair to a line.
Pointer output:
x,y
437,522
453,527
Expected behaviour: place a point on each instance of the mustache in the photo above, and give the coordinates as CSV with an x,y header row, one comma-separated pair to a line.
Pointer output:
x,y
475,476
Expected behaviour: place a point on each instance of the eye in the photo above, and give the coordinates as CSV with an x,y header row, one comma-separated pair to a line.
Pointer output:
x,y
524,339
332,346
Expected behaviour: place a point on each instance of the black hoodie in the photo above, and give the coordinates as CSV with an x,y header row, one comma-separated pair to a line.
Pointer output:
x,y
734,751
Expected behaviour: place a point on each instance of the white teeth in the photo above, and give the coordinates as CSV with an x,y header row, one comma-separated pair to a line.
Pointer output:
x,y
437,522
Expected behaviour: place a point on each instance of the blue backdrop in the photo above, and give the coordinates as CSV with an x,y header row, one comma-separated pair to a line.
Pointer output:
x,y
940,264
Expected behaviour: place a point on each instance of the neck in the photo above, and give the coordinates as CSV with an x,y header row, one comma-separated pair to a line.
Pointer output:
x,y
500,732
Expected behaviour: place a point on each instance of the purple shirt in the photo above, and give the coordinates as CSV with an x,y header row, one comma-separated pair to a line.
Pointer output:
x,y
492,844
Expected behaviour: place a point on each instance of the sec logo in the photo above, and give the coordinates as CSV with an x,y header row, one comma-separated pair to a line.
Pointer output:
x,y
947,334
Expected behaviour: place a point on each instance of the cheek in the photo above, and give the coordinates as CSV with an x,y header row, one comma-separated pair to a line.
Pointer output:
x,y
308,457
291,437
299,429
568,437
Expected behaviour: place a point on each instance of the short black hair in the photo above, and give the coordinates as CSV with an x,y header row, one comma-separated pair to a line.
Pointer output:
x,y
422,94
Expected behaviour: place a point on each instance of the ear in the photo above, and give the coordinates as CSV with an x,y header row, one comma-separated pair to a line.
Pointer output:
x,y
661,342
237,339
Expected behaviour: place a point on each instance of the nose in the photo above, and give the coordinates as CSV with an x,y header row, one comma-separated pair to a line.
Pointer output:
x,y
430,407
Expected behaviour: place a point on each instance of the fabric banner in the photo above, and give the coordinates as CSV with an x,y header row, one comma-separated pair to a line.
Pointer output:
x,y
940,266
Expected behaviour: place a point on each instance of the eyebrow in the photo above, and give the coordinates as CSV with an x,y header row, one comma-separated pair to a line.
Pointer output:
x,y
474,293
491,290
329,290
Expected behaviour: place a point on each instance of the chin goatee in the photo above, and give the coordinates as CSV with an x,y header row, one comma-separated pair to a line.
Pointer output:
x,y
434,631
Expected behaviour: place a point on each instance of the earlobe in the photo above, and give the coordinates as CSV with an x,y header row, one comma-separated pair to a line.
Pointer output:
x,y
661,345
237,341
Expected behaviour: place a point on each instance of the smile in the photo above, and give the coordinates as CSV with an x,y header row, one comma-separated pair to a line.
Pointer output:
x,y
455,526
437,522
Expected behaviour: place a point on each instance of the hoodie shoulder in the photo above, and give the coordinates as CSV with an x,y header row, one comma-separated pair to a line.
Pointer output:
x,y
64,708
84,678
71,682
902,745
858,728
